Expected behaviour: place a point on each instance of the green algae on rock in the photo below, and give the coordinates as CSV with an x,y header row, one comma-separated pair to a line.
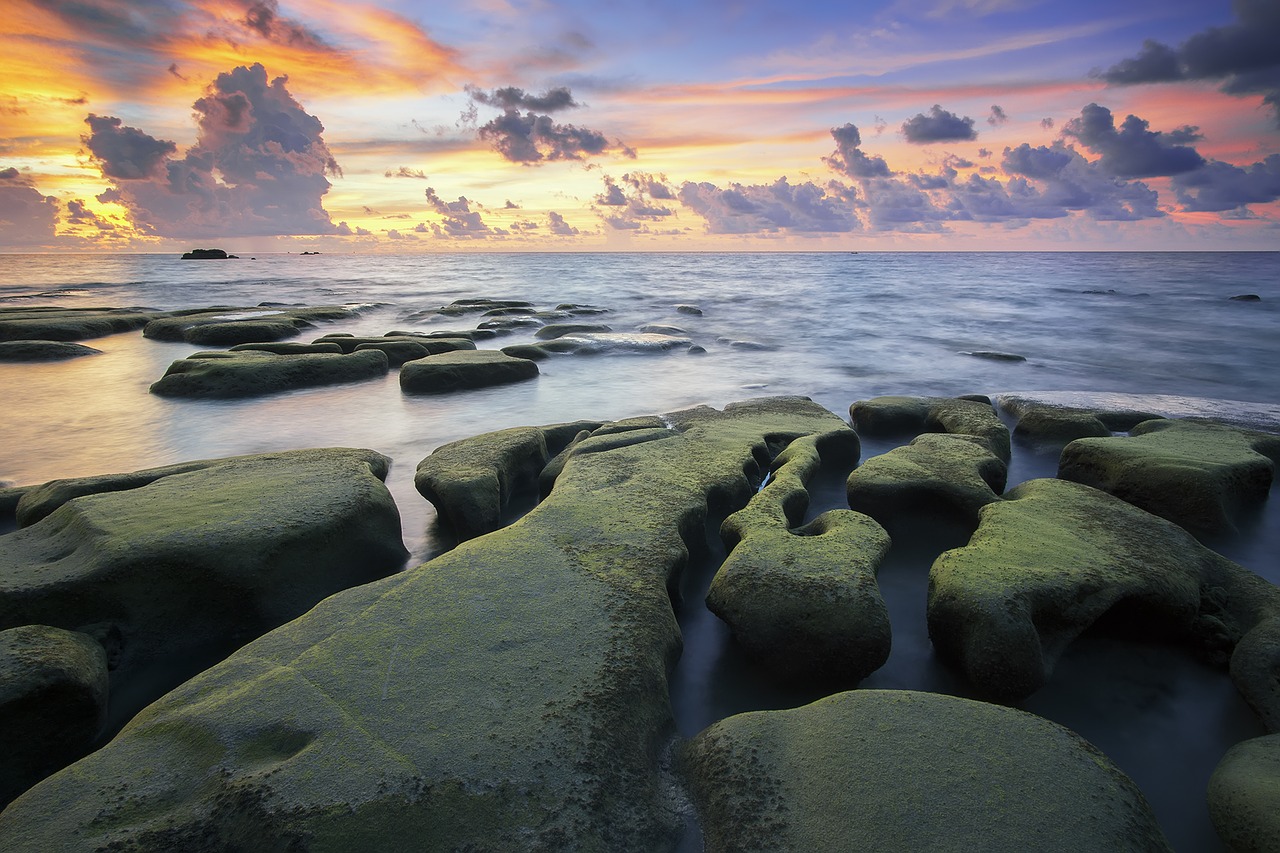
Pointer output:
x,y
464,370
1244,796
889,416
509,694
69,324
53,702
286,348
428,345
223,325
1053,558
950,475
248,373
1198,475
43,350
899,770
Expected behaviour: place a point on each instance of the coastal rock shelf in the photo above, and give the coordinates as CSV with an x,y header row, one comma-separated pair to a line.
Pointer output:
x,y
513,691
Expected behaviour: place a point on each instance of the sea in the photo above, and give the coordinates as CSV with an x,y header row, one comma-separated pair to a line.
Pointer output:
x,y
1156,331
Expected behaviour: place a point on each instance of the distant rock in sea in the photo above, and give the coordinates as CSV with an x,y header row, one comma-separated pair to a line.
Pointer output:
x,y
208,255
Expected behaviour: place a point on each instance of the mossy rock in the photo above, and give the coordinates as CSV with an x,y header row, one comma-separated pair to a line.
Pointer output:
x,y
248,373
559,330
896,416
888,770
53,702
244,331
1055,557
1244,796
470,482
431,346
936,474
43,351
1199,475
464,370
221,325
285,348
1255,670
509,694
1052,423
174,568
69,324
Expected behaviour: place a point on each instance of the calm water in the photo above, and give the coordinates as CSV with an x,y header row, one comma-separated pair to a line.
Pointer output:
x,y
839,328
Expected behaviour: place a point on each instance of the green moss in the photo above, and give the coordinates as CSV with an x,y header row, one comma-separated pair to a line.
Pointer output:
x,y
890,416
1244,796
463,370
251,372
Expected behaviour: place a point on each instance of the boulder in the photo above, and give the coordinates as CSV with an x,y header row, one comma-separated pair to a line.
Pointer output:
x,y
429,345
284,348
901,770
936,474
69,324
248,373
660,329
174,568
1052,422
804,602
896,416
222,325
1246,297
1055,557
591,343
1199,475
53,702
509,694
207,255
692,310
464,370
470,482
460,307
1244,796
559,330
43,350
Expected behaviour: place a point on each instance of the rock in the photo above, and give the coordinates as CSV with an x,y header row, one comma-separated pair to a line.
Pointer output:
x,y
69,324
902,770
996,356
557,330
1244,796
470,482
1047,423
521,311
1053,558
1247,297
804,602
1255,669
1199,475
696,350
178,572
471,334
581,310
10,496
592,343
460,307
224,326
250,373
751,346
430,346
464,370
53,702
659,329
43,350
896,416
510,694
692,310
936,474
284,348
507,325
533,352
207,255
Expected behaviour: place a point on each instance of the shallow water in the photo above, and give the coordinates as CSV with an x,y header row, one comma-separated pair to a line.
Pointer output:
x,y
840,327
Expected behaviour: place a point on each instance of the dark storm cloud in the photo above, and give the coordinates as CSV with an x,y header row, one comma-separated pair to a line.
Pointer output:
x,y
532,138
849,159
513,98
997,116
1219,186
938,126
79,214
258,166
1040,163
125,152
768,208
1243,55
9,174
1133,151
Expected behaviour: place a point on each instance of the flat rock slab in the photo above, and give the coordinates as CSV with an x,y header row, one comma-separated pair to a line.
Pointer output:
x,y
43,351
226,326
510,694
464,370
53,702
1199,475
895,416
1244,796
1053,558
592,343
424,344
249,373
886,770
70,324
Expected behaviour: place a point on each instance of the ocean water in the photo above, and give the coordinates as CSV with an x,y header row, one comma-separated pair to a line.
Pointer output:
x,y
1157,330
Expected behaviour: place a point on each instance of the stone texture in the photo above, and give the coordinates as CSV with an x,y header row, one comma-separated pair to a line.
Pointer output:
x,y
464,370
69,324
895,416
43,350
1244,796
248,373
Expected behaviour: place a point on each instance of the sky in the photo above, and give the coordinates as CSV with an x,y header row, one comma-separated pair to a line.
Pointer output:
x,y
597,125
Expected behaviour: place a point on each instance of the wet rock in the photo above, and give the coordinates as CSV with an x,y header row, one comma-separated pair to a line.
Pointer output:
x,y
692,310
69,324
390,343
461,307
660,329
750,346
470,482
1047,423
207,255
991,355
222,325
591,343
176,567
510,694
696,350
895,416
581,310
521,311
464,370
1053,558
1255,669
559,330
1199,475
250,373
43,350
1244,796
1247,297
804,601
53,702
286,348
902,770
508,325
936,474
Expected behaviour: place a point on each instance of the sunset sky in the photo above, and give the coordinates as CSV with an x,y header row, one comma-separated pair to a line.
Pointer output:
x,y
407,125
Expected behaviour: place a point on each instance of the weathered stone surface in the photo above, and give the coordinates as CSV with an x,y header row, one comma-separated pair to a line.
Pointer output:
x,y
590,343
470,482
43,350
284,348
53,702
991,355
464,370
1051,422
507,325
804,601
949,475
223,325
174,568
430,345
243,331
559,330
247,373
692,310
1053,558
661,329
901,770
1255,669
510,694
1198,475
69,324
891,416
1244,796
